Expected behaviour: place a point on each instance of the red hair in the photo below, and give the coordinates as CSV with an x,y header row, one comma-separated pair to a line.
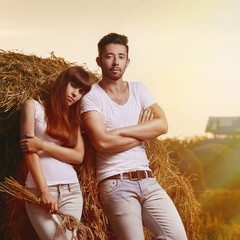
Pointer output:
x,y
62,120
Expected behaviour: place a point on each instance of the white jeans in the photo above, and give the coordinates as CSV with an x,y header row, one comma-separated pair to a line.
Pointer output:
x,y
69,199
129,204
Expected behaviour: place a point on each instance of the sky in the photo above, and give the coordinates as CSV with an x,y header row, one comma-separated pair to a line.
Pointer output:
x,y
187,52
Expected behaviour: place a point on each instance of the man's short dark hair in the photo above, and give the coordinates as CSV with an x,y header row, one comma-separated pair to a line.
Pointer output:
x,y
112,38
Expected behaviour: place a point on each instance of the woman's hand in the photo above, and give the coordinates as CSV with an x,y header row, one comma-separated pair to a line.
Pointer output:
x,y
48,201
145,115
31,144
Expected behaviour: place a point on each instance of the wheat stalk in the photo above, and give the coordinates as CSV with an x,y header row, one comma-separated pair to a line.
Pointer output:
x,y
78,229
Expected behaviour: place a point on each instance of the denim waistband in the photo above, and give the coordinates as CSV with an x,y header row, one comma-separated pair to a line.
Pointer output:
x,y
59,187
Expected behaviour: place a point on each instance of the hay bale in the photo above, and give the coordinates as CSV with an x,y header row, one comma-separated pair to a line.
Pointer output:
x,y
177,186
28,76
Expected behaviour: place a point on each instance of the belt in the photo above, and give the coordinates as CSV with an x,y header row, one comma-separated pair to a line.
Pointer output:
x,y
133,175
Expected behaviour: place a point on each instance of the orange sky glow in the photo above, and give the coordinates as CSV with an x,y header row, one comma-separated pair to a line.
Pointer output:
x,y
186,52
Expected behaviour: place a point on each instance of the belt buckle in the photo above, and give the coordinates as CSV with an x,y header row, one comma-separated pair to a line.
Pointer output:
x,y
130,176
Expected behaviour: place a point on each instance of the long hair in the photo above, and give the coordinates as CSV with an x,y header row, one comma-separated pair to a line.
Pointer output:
x,y
62,120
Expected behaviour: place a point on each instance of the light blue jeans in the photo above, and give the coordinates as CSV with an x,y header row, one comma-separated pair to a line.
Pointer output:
x,y
129,204
70,201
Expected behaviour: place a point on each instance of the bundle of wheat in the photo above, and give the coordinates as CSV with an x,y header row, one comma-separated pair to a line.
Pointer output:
x,y
79,230
24,76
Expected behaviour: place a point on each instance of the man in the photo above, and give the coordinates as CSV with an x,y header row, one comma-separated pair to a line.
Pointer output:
x,y
118,116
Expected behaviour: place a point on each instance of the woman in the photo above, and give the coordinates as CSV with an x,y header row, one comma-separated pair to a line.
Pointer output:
x,y
52,142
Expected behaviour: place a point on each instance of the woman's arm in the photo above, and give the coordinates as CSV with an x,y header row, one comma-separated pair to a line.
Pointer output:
x,y
32,159
65,154
146,130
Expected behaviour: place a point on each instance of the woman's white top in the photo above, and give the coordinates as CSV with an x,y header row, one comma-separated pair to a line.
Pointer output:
x,y
55,171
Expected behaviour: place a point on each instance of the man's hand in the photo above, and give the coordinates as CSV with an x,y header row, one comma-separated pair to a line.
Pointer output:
x,y
145,115
104,140
151,123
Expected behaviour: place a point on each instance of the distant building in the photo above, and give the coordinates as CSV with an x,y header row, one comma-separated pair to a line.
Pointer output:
x,y
223,125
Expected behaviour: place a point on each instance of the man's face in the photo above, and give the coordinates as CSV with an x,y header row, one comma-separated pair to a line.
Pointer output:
x,y
113,61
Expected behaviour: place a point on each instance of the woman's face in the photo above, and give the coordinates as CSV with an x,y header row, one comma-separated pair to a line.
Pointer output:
x,y
73,93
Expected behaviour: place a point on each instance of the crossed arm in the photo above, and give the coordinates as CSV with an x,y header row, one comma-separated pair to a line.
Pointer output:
x,y
65,154
152,123
30,143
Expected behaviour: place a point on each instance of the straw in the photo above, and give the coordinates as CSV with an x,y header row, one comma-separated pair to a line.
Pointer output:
x,y
69,222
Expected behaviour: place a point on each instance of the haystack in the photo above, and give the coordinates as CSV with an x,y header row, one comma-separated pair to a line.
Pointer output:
x,y
28,76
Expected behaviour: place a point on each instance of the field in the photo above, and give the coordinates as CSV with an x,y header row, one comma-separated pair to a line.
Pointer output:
x,y
214,166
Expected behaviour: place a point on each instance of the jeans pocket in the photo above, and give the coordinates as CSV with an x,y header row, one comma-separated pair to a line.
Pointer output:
x,y
109,186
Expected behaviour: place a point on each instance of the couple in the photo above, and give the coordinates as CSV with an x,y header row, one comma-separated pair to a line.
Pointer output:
x,y
117,116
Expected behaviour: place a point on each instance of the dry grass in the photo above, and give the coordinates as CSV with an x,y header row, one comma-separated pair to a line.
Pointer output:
x,y
176,185
24,77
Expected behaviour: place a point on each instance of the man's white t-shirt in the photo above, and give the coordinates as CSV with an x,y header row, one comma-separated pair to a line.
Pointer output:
x,y
116,116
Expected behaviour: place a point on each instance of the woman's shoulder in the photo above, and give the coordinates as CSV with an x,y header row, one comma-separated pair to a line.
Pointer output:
x,y
29,103
28,108
33,105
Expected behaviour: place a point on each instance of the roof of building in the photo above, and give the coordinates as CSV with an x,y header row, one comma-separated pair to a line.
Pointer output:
x,y
223,125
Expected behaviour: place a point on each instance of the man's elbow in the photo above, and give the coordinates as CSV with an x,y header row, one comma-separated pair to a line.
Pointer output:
x,y
163,129
101,146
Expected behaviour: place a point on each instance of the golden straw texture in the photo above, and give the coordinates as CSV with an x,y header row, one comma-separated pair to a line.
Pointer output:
x,y
28,76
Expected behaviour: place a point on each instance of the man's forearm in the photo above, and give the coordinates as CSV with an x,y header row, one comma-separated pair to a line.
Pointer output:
x,y
113,143
104,140
152,123
144,131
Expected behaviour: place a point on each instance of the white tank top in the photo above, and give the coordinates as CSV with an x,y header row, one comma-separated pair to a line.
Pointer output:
x,y
55,171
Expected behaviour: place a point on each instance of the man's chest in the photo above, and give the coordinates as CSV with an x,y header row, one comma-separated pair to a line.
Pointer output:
x,y
115,116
